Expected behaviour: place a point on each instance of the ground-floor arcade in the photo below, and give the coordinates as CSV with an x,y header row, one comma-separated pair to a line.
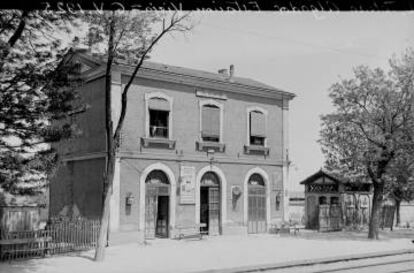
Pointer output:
x,y
153,198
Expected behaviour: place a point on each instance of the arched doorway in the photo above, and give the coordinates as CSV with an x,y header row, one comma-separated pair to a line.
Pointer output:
x,y
157,199
210,195
256,220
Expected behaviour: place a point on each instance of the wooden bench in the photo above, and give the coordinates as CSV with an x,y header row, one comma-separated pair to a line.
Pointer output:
x,y
190,231
296,229
287,229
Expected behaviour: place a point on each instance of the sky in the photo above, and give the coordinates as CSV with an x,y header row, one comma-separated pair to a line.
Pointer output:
x,y
303,53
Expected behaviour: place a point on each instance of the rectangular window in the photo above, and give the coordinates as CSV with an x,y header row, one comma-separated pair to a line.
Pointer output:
x,y
158,126
210,121
257,128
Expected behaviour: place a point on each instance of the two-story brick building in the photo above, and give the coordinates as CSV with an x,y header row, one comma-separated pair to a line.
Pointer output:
x,y
197,147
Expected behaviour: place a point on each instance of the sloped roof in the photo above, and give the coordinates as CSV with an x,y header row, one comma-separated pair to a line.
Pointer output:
x,y
177,71
320,174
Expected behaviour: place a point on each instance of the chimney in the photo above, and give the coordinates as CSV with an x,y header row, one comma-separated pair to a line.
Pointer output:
x,y
231,72
223,72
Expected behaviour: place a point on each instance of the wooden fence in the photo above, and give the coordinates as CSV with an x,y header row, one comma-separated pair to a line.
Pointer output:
x,y
59,236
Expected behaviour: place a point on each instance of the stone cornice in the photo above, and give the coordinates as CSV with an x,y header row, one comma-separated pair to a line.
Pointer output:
x,y
177,158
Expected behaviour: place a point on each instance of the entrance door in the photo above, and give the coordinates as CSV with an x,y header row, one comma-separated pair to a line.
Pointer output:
x,y
162,217
257,210
204,213
256,205
157,197
210,204
151,209
213,211
312,212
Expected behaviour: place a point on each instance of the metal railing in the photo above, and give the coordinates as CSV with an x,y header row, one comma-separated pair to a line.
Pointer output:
x,y
159,131
58,237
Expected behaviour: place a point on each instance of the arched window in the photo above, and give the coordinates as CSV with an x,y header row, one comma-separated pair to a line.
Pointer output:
x,y
256,179
157,177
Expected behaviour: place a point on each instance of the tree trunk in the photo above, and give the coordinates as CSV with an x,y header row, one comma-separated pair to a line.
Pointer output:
x,y
376,211
14,38
397,212
110,146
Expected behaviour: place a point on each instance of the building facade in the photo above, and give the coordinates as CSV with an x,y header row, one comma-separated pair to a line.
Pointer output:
x,y
196,147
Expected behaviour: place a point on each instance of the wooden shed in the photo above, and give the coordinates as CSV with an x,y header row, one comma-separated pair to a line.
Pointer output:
x,y
332,203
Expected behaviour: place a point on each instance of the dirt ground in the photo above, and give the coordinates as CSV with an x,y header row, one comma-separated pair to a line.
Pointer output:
x,y
217,252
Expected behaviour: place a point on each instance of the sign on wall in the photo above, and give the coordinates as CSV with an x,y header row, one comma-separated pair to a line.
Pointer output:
x,y
187,185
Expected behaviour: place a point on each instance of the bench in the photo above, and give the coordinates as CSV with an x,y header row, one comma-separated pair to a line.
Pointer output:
x,y
190,231
287,229
296,229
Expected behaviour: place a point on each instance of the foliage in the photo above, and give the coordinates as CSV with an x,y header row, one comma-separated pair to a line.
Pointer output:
x,y
372,125
35,89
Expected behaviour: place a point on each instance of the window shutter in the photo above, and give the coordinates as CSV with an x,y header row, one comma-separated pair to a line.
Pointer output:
x,y
210,121
159,104
257,124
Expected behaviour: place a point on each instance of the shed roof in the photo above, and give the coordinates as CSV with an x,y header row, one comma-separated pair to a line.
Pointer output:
x,y
320,174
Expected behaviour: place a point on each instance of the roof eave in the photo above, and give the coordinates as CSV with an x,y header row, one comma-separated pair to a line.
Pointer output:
x,y
150,73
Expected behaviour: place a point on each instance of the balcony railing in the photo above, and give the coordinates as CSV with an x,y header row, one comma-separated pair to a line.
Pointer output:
x,y
159,131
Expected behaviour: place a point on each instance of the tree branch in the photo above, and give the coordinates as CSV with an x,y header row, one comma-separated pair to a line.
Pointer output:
x,y
173,23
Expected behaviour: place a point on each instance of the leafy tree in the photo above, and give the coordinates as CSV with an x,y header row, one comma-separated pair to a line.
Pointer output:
x,y
35,89
400,184
372,124
129,36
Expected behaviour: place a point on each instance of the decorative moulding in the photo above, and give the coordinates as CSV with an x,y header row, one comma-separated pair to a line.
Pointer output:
x,y
255,149
210,94
204,146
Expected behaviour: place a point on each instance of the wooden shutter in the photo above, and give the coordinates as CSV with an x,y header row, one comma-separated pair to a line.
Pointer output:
x,y
257,124
210,121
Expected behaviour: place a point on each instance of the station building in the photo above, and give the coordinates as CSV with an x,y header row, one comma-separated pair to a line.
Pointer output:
x,y
196,147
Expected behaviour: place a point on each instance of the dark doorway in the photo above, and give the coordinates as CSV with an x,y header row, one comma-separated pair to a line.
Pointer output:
x,y
162,217
204,209
210,204
157,191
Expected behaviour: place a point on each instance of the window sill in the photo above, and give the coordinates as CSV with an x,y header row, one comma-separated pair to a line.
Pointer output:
x,y
162,143
256,149
216,146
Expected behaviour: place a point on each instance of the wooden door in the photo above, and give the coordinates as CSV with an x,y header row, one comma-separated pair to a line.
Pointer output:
x,y
151,209
312,212
213,211
256,210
